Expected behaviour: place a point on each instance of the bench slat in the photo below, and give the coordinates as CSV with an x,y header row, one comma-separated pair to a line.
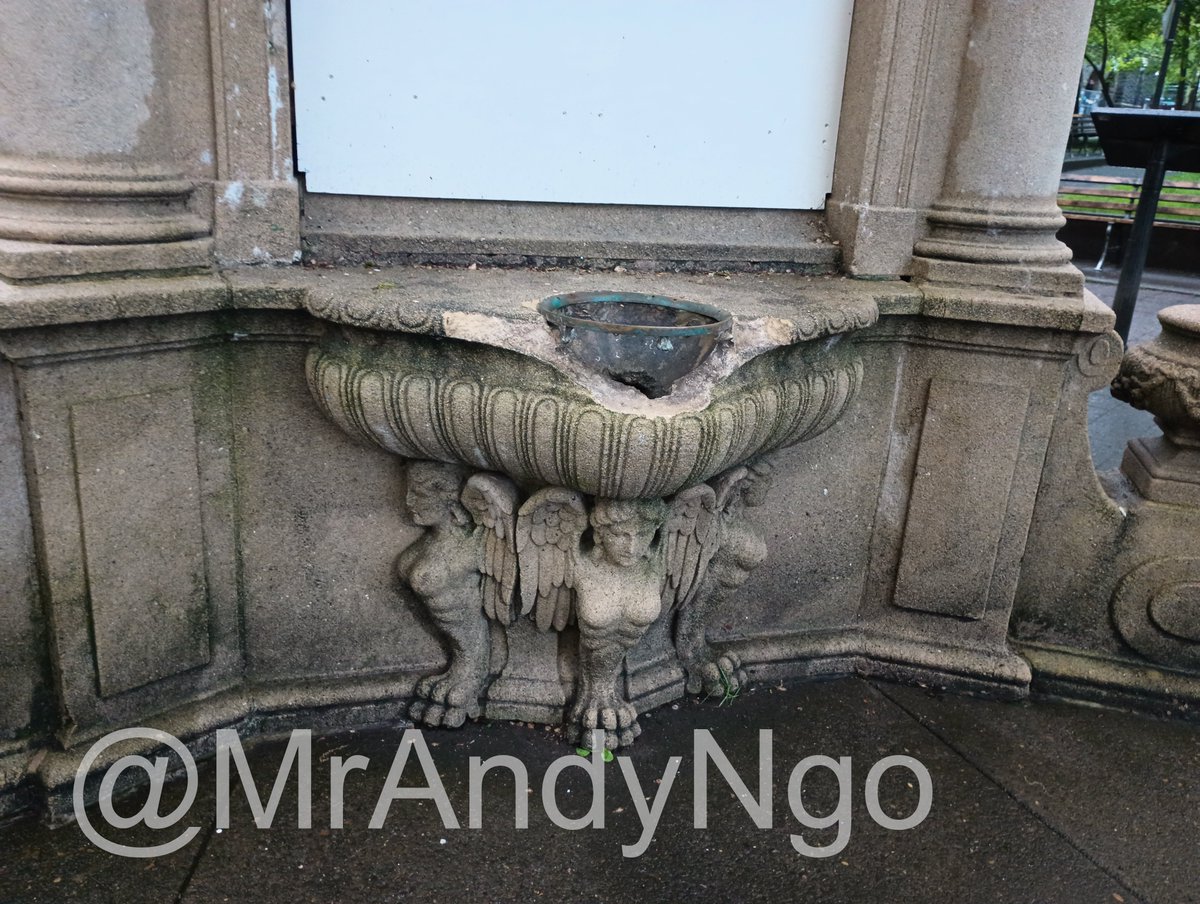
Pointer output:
x,y
1105,180
1114,199
1097,198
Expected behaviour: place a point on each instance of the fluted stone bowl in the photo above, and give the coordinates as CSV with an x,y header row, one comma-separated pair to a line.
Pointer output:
x,y
494,409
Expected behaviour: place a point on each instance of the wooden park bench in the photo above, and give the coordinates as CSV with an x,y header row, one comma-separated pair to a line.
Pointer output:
x,y
1113,200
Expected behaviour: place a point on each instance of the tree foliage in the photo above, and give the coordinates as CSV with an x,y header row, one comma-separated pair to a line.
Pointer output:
x,y
1127,35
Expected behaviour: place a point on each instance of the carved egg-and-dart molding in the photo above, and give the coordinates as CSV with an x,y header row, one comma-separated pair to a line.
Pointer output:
x,y
497,410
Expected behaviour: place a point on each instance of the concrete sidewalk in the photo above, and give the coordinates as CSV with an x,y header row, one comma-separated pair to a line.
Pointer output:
x,y
1030,802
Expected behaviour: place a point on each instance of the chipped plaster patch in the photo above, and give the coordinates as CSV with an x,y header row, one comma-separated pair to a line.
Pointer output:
x,y
276,106
233,194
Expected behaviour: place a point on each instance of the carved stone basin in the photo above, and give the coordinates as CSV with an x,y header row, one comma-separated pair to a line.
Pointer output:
x,y
548,487
497,410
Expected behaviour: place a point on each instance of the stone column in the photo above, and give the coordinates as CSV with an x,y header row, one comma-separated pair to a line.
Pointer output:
x,y
993,225
892,144
257,209
89,183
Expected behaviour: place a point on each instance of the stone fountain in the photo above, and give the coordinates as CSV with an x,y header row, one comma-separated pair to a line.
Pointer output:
x,y
583,475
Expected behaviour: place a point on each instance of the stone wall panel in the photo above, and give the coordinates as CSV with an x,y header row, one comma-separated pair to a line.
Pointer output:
x,y
127,439
139,499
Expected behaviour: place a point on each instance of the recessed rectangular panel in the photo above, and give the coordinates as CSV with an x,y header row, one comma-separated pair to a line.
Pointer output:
x,y
139,495
676,102
970,440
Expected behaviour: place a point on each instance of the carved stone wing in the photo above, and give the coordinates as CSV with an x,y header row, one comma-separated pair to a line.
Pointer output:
x,y
727,486
549,527
691,536
492,502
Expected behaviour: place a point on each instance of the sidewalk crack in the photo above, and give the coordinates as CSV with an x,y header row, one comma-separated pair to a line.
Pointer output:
x,y
191,871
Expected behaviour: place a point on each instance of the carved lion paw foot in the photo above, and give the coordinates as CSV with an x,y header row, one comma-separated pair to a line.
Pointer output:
x,y
446,700
718,676
616,718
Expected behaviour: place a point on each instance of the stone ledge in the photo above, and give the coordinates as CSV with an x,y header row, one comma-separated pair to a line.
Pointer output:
x,y
22,261
434,301
871,653
418,296
416,292
1076,675
94,301
256,710
340,228
1085,314
262,709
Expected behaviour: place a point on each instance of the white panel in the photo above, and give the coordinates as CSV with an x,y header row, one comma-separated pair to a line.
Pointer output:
x,y
690,102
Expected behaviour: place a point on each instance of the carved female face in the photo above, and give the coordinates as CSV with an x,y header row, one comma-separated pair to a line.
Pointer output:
x,y
625,542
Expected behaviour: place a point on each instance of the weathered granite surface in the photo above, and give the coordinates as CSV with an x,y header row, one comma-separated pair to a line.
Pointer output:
x,y
299,609
190,542
1122,622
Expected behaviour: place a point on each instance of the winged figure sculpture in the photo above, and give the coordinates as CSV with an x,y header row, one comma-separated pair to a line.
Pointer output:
x,y
463,568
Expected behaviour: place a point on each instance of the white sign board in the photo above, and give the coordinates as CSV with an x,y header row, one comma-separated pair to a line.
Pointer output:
x,y
678,102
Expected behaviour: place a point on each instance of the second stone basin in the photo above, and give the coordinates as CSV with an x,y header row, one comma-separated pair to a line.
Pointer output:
x,y
496,394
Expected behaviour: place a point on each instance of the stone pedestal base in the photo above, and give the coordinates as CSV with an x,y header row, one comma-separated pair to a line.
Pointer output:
x,y
529,687
653,675
539,673
1007,246
1021,279
62,219
1163,471
1163,377
37,261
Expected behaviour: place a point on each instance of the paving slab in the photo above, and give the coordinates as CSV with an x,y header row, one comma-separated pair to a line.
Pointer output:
x,y
980,842
977,844
40,864
1122,788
